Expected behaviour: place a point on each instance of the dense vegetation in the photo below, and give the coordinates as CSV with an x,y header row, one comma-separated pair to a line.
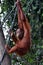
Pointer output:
x,y
34,11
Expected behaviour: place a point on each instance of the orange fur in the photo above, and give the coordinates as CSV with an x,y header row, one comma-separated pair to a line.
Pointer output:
x,y
22,46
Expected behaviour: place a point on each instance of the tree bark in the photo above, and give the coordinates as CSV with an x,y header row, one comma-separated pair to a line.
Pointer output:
x,y
6,59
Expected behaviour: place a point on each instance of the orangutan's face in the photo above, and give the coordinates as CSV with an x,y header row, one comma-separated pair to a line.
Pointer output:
x,y
19,33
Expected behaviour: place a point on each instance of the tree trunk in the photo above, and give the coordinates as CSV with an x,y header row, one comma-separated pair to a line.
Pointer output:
x,y
6,59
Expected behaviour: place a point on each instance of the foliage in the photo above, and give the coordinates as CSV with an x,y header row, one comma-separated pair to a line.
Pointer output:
x,y
34,11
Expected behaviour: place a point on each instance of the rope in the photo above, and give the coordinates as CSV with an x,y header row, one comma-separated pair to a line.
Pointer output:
x,y
7,16
10,28
13,19
3,57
